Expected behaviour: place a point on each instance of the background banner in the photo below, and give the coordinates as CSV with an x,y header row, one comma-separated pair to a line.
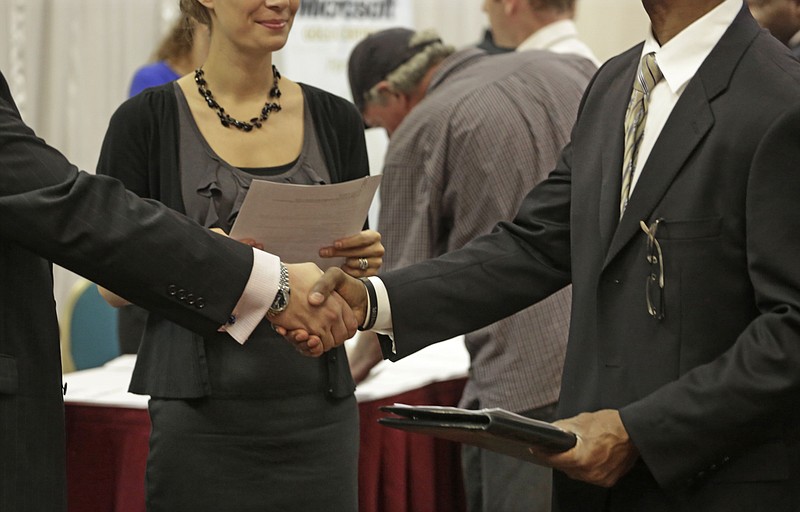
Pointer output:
x,y
325,32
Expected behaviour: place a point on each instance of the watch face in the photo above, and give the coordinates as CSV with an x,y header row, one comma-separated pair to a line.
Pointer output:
x,y
281,301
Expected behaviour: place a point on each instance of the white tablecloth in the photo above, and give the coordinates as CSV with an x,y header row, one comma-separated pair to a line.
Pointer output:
x,y
108,384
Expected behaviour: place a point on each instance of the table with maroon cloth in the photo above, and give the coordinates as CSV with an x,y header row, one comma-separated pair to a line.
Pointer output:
x,y
108,431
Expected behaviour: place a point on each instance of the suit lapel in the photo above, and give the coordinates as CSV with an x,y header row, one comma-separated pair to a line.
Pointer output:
x,y
688,124
680,136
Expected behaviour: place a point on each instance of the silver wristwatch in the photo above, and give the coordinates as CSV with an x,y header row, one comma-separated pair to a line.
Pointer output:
x,y
281,301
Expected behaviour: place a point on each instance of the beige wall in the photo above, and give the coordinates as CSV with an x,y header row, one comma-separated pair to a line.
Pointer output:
x,y
611,26
607,26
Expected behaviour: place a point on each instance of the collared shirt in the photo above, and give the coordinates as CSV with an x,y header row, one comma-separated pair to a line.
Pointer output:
x,y
679,59
559,37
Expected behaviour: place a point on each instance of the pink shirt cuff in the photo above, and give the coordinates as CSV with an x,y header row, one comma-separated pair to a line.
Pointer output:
x,y
257,297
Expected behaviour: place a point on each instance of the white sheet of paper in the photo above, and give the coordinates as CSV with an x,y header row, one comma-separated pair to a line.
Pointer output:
x,y
296,221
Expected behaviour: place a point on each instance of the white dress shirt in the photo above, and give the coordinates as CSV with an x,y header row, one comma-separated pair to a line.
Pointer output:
x,y
559,37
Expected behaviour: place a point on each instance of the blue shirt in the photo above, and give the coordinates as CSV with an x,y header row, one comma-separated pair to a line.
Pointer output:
x,y
151,75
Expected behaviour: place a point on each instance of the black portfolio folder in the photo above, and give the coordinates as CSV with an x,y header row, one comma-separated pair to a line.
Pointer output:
x,y
493,429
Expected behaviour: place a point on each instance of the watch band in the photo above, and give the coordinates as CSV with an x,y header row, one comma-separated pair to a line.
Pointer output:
x,y
372,305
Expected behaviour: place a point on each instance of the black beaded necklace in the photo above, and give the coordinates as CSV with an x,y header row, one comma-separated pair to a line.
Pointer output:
x,y
225,118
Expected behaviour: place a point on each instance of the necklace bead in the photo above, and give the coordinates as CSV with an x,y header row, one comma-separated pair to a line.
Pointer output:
x,y
225,119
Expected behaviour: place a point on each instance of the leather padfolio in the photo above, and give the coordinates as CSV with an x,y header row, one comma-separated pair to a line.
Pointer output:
x,y
493,429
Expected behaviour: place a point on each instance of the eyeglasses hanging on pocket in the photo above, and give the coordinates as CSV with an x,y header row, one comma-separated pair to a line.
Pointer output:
x,y
654,285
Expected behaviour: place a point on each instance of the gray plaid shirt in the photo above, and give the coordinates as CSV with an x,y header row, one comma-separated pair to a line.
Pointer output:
x,y
488,130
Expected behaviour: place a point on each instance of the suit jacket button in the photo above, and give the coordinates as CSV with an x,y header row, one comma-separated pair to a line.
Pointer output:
x,y
172,290
181,294
190,299
200,303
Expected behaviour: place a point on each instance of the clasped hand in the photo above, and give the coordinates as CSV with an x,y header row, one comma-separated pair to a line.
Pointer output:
x,y
310,321
333,284
331,321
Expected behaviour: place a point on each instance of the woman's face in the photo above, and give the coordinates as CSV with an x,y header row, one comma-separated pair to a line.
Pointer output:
x,y
262,25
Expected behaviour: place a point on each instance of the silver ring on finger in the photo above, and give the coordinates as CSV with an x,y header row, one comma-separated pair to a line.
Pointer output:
x,y
363,264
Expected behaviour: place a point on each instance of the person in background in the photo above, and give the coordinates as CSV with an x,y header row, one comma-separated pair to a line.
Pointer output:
x,y
52,213
781,18
512,376
180,52
470,134
257,426
537,25
680,379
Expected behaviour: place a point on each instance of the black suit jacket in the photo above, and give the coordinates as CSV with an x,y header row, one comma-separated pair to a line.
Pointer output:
x,y
51,212
707,392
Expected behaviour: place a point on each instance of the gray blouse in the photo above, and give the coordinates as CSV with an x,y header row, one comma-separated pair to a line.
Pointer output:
x,y
213,190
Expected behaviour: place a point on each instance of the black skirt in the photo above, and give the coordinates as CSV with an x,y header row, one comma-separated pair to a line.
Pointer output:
x,y
296,453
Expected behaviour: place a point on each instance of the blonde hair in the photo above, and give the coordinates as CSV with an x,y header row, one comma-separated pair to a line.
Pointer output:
x,y
178,42
195,10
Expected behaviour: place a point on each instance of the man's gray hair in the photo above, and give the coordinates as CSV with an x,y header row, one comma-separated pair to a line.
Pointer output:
x,y
408,75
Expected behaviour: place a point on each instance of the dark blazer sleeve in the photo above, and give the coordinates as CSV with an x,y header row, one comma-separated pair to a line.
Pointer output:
x,y
94,227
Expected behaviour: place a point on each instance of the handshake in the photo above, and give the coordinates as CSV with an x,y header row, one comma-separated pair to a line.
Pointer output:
x,y
324,310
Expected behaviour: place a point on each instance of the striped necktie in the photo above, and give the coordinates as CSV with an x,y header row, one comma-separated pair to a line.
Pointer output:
x,y
647,77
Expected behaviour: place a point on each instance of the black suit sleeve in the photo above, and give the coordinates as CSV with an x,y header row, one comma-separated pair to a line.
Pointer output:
x,y
93,226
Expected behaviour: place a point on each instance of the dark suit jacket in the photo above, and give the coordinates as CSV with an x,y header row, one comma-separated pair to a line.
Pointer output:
x,y
51,212
705,393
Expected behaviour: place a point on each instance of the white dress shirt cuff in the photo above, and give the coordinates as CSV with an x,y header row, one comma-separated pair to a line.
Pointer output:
x,y
383,322
257,297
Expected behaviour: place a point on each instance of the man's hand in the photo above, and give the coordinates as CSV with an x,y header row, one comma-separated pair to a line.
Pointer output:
x,y
327,322
603,454
334,284
349,288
